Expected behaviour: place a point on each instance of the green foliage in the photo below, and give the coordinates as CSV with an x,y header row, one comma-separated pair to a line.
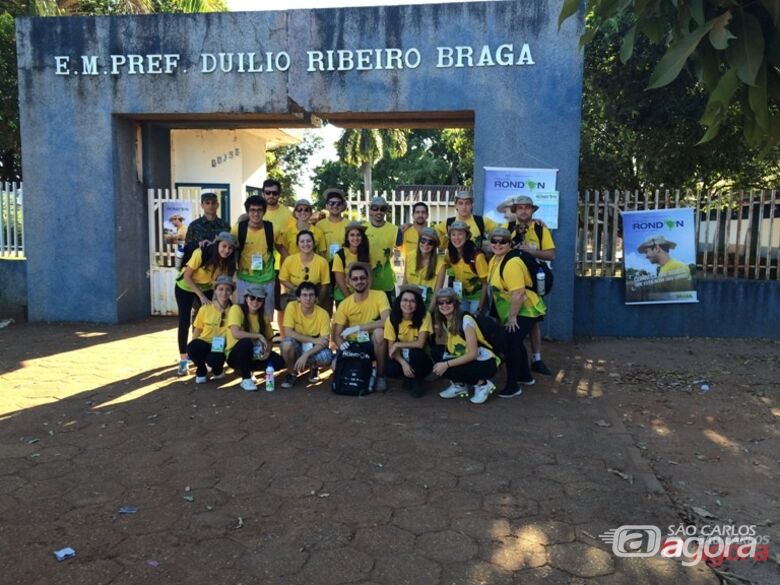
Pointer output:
x,y
364,147
9,102
287,164
730,48
334,174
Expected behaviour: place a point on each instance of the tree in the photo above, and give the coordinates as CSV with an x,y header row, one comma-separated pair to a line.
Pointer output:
x,y
334,173
364,148
729,47
287,164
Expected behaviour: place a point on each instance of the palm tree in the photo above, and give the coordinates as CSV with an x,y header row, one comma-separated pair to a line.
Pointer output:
x,y
364,148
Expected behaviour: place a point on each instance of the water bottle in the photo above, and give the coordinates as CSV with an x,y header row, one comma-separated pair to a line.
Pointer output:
x,y
540,282
270,383
178,257
372,380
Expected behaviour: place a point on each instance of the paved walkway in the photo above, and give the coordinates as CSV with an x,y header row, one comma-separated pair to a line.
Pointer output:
x,y
302,486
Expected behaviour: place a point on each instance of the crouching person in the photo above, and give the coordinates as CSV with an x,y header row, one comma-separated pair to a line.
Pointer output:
x,y
306,335
468,358
358,325
209,333
249,338
407,330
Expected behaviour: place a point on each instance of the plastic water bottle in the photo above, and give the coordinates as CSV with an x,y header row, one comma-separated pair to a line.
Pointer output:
x,y
540,278
270,383
372,381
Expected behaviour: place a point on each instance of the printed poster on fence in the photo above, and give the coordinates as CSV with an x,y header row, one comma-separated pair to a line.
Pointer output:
x,y
539,184
659,256
177,215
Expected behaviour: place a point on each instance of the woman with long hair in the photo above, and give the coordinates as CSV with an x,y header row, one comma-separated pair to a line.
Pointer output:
x,y
469,268
424,267
406,331
355,249
209,342
195,282
250,338
468,358
304,266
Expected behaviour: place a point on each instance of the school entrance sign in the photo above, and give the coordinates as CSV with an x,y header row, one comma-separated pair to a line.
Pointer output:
x,y
99,97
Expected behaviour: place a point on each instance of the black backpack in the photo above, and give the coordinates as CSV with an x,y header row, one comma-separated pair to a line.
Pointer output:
x,y
493,332
352,376
243,228
533,266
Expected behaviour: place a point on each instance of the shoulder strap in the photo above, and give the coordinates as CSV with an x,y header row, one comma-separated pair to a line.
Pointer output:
x,y
539,232
269,235
480,221
511,254
449,221
243,226
341,254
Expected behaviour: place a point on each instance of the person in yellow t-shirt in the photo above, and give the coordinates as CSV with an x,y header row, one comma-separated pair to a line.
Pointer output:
x,y
411,231
306,336
287,239
279,215
383,239
250,338
469,357
335,224
305,266
360,320
406,331
195,283
354,249
672,275
469,269
178,236
424,267
464,208
517,307
210,333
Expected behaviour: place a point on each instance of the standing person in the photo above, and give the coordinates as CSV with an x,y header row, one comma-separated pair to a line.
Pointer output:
x,y
249,338
287,240
424,267
517,307
383,238
206,227
306,335
469,357
195,283
534,238
207,347
469,268
411,231
279,215
360,319
304,266
355,249
256,262
334,225
464,207
406,332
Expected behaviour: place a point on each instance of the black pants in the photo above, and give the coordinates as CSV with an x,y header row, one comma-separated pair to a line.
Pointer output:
x,y
184,301
240,359
472,372
517,367
200,353
419,360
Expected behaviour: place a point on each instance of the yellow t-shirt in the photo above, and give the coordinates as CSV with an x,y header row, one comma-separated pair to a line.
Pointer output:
x,y
532,238
289,236
201,276
381,243
516,276
411,240
211,323
338,266
414,276
407,333
478,238
280,217
315,325
350,312
334,234
256,264
296,272
471,280
236,317
456,343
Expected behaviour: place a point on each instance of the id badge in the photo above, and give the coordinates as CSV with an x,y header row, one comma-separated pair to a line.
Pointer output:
x,y
423,292
363,337
257,351
257,262
218,344
405,353
307,346
457,286
332,249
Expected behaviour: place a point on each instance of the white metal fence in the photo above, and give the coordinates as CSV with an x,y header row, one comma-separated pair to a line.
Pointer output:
x,y
11,231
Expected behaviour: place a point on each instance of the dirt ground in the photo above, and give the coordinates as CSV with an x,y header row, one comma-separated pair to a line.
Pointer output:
x,y
303,486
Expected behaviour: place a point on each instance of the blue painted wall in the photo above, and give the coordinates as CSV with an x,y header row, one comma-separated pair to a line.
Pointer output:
x,y
13,288
727,308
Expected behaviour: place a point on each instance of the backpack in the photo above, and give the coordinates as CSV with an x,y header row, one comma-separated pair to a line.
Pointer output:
x,y
189,249
533,266
492,331
243,228
352,376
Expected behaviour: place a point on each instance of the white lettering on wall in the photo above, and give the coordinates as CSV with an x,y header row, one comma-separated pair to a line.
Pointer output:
x,y
61,65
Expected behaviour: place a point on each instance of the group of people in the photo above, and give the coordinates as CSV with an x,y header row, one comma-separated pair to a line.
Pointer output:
x,y
274,259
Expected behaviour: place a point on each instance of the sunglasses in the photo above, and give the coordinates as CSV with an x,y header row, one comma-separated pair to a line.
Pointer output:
x,y
427,241
334,202
499,242
445,302
254,298
267,192
255,210
305,273
382,209
297,209
358,278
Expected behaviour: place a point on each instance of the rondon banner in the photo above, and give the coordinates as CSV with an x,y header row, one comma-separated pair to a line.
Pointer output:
x,y
659,256
539,184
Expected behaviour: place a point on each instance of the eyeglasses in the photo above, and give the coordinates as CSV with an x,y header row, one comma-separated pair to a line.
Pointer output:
x,y
499,242
254,210
445,302
334,202
427,241
383,209
254,298
269,192
297,209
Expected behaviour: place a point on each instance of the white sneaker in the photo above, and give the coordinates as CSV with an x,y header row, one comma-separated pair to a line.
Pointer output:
x,y
218,376
481,392
454,391
248,384
201,379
